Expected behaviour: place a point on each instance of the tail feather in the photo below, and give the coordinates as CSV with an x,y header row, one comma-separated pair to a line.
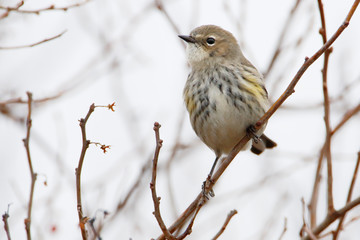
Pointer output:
x,y
259,146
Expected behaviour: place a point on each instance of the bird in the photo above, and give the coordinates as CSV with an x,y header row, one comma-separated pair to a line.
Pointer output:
x,y
224,94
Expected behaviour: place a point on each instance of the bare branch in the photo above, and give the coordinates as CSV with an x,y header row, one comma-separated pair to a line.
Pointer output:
x,y
327,145
284,230
314,196
156,199
33,175
189,227
227,220
333,217
280,42
308,62
8,9
346,118
85,145
160,6
351,188
38,11
305,228
22,101
5,217
33,44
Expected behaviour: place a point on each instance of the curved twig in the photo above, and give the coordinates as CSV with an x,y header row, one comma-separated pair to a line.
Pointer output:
x,y
227,220
34,44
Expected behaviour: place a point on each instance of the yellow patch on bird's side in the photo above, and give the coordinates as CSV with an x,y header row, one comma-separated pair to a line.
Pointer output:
x,y
190,103
254,87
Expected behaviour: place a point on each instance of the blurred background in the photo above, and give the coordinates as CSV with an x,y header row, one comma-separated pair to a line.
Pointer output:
x,y
128,52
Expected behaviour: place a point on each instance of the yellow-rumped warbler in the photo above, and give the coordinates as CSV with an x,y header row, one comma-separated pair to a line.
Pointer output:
x,y
224,93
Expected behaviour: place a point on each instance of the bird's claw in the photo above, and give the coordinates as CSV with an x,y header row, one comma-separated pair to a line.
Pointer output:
x,y
205,189
251,132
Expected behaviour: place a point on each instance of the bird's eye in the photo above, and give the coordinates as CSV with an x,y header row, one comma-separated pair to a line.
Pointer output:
x,y
210,41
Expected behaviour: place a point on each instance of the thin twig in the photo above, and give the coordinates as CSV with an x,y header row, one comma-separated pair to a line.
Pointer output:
x,y
227,220
333,217
185,215
22,101
38,11
189,227
96,233
284,31
289,90
351,188
5,14
124,200
308,62
33,175
85,145
305,228
97,230
353,219
311,235
327,149
177,146
34,44
5,217
315,192
122,203
160,6
156,199
284,229
346,117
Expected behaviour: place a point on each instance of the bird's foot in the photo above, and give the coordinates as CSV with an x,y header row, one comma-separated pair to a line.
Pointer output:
x,y
251,132
206,191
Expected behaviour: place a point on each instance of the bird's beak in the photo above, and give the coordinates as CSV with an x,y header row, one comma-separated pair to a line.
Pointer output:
x,y
186,38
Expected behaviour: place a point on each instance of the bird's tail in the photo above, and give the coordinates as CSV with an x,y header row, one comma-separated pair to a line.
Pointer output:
x,y
259,146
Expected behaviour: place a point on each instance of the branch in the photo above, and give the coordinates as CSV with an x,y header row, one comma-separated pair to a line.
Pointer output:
x,y
38,11
333,217
308,62
289,90
8,9
85,145
160,6
327,148
33,175
21,101
284,31
156,199
315,192
34,44
5,217
136,184
305,228
227,220
124,200
351,188
284,230
314,196
346,118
